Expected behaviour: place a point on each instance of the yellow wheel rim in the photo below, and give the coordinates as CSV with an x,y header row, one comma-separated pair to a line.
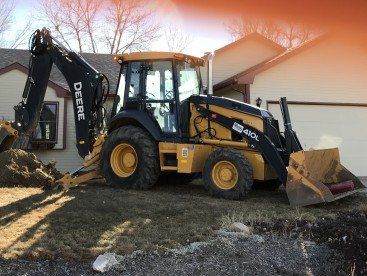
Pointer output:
x,y
225,175
123,160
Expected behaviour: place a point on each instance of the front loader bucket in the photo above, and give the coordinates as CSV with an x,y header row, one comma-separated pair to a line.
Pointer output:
x,y
317,176
8,135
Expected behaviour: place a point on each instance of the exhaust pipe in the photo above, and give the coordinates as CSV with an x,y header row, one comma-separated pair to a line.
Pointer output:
x,y
209,62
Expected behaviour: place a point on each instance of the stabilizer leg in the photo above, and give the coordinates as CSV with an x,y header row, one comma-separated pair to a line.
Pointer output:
x,y
79,176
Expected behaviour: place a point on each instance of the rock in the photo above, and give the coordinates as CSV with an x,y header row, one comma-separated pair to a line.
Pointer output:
x,y
191,248
257,238
240,227
309,243
232,235
105,262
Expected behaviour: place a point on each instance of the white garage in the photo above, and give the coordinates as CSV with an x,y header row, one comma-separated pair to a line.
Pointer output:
x,y
321,126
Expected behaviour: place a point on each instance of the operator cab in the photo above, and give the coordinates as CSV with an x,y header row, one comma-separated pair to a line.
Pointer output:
x,y
158,84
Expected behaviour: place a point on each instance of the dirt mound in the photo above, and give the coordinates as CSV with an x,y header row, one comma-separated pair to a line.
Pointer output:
x,y
21,168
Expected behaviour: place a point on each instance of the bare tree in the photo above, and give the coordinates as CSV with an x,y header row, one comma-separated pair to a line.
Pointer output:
x,y
6,17
6,11
12,35
130,26
176,40
91,10
287,34
67,20
119,25
21,34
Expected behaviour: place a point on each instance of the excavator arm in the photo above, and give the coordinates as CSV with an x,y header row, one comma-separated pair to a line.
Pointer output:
x,y
87,92
88,87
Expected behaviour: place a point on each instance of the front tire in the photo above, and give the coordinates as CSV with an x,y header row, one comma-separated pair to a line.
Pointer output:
x,y
228,174
130,159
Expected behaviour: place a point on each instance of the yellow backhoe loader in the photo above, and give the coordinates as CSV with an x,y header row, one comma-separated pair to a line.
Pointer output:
x,y
164,122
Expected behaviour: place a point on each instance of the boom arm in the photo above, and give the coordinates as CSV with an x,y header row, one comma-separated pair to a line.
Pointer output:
x,y
85,83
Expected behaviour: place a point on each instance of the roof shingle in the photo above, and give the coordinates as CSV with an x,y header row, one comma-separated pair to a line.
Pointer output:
x,y
104,63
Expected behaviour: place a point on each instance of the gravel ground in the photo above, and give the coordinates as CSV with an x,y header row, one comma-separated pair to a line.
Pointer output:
x,y
222,256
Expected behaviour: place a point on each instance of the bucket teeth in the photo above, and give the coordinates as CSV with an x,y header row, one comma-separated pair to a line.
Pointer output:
x,y
318,176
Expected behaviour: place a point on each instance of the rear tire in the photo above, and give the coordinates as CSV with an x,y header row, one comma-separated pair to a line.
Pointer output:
x,y
140,169
228,174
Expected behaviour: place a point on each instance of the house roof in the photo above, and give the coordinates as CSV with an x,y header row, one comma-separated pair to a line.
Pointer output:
x,y
256,36
104,63
247,76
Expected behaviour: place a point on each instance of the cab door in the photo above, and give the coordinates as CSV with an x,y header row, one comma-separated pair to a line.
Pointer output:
x,y
159,99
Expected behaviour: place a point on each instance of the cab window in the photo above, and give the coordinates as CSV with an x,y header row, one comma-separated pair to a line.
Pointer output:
x,y
189,80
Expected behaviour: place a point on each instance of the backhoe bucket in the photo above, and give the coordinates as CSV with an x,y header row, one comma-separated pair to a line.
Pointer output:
x,y
8,135
317,176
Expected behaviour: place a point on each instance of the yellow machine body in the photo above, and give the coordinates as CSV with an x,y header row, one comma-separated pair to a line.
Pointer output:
x,y
191,157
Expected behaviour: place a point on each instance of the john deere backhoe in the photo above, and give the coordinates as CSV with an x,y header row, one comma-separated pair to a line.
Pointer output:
x,y
163,122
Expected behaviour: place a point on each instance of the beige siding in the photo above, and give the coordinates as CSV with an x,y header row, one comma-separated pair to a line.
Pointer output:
x,y
11,89
238,58
232,93
67,159
12,84
328,72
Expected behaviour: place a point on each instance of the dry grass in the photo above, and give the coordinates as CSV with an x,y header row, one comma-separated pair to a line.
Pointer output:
x,y
82,223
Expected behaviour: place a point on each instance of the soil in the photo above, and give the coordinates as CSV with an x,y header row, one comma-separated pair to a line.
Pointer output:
x,y
346,234
221,256
23,169
63,232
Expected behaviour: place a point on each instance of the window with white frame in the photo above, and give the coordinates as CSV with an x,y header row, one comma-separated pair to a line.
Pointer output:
x,y
47,129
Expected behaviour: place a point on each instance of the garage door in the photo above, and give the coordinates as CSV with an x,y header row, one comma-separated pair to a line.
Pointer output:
x,y
327,126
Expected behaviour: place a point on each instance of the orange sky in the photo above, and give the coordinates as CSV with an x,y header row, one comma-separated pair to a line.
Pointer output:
x,y
205,19
344,14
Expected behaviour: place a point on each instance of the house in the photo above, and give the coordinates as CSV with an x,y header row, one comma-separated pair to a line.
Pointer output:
x,y
325,83
59,142
237,57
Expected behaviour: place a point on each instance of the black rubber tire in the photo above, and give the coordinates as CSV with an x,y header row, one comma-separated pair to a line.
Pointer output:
x,y
148,169
244,169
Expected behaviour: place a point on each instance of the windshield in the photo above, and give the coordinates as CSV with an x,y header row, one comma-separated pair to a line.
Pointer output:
x,y
189,80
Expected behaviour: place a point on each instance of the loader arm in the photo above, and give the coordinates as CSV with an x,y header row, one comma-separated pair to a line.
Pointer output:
x,y
85,83
259,139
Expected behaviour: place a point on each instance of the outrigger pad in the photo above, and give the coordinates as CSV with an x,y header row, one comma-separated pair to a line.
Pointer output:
x,y
318,176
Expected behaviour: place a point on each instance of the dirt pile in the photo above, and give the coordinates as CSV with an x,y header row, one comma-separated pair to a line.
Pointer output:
x,y
21,168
